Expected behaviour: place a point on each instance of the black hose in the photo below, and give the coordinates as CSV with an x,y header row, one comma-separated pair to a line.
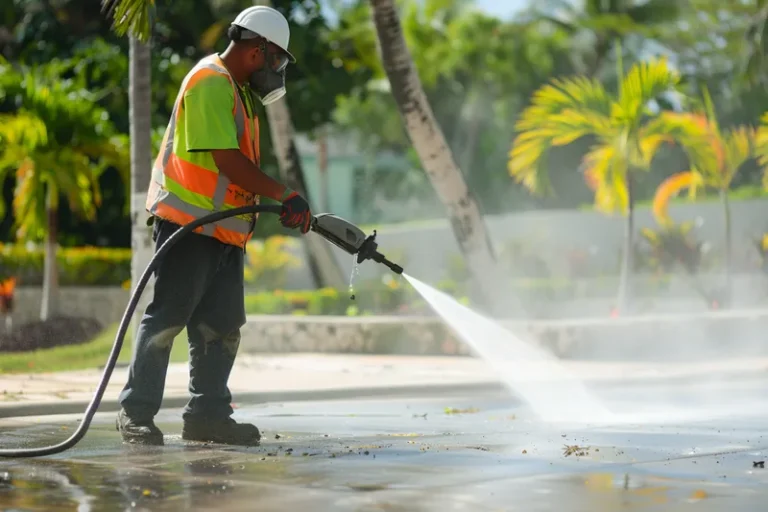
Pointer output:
x,y
129,310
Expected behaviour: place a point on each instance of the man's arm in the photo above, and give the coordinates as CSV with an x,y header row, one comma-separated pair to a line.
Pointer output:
x,y
210,127
246,174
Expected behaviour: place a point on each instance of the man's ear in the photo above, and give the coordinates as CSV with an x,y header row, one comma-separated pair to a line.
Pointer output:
x,y
255,57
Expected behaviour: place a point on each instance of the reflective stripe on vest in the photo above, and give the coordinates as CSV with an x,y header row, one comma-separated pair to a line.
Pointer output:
x,y
166,194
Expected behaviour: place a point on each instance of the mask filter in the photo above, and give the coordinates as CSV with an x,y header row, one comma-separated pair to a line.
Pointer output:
x,y
269,82
269,85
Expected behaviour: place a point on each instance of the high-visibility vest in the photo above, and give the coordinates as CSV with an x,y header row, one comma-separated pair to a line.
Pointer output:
x,y
181,191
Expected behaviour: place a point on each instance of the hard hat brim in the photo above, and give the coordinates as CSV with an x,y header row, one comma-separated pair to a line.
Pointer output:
x,y
251,35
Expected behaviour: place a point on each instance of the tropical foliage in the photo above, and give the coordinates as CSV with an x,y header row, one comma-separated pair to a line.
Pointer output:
x,y
629,131
716,169
269,260
626,128
58,143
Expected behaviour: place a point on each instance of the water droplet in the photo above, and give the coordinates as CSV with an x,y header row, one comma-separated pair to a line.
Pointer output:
x,y
355,272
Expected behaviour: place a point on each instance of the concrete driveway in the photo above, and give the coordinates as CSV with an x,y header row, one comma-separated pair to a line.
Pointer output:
x,y
452,452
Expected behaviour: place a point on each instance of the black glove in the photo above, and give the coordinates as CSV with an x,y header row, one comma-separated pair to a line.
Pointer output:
x,y
296,213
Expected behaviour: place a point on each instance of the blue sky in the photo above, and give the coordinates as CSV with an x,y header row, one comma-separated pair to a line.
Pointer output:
x,y
501,8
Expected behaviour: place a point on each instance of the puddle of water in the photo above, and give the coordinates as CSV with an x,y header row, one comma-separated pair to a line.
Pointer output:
x,y
554,394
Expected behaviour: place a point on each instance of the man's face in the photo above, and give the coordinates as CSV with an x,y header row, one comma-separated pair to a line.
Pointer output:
x,y
275,57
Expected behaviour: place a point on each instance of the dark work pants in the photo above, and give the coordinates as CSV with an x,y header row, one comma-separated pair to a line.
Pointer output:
x,y
198,285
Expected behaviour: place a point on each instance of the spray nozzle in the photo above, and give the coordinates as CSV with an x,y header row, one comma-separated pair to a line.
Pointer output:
x,y
368,251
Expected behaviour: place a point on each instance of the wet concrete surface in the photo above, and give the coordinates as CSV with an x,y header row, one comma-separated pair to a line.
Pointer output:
x,y
450,453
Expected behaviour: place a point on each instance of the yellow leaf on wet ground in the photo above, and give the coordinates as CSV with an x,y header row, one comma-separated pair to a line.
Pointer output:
x,y
453,410
699,494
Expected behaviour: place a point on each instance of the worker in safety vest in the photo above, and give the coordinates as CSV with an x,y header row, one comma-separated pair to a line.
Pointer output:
x,y
209,161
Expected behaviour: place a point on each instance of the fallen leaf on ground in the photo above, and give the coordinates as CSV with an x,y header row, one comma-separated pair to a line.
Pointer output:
x,y
698,495
453,410
579,451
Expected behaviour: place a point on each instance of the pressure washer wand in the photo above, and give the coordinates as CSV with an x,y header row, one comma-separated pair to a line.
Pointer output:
x,y
352,239
334,229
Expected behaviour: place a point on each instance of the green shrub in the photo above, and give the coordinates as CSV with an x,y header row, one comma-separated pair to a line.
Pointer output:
x,y
268,261
374,297
81,266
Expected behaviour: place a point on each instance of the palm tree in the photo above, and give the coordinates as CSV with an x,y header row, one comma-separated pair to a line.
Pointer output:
x,y
433,150
325,268
135,18
322,261
140,126
627,133
674,244
731,149
761,147
58,143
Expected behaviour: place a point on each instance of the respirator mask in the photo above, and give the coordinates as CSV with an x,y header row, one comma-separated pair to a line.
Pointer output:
x,y
269,82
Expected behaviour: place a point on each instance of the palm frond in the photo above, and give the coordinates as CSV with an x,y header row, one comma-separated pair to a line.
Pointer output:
x,y
22,130
761,147
134,17
560,113
671,187
527,161
644,82
573,94
605,172
29,202
739,145
691,132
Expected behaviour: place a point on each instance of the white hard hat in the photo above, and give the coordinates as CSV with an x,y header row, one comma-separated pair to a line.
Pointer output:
x,y
268,23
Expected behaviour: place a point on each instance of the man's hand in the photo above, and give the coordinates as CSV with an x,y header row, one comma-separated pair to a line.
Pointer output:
x,y
296,212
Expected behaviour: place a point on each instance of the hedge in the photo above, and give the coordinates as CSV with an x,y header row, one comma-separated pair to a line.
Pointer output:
x,y
369,298
81,266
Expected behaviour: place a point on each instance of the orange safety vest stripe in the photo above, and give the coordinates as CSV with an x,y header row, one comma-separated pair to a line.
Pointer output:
x,y
194,178
203,181
227,236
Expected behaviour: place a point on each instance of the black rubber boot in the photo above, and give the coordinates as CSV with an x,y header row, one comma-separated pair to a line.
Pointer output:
x,y
226,431
138,432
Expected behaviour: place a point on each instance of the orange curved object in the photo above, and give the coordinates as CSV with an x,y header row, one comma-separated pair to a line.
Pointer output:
x,y
6,294
670,188
7,287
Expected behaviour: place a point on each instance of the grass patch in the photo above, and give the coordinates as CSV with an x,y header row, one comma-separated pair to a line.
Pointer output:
x,y
89,355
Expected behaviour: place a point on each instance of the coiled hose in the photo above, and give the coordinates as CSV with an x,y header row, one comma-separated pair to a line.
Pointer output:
x,y
124,323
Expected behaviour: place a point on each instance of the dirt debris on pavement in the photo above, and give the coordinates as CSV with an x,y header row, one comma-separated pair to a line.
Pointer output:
x,y
578,451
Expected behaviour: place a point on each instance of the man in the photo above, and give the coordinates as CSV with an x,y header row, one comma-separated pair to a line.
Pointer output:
x,y
209,161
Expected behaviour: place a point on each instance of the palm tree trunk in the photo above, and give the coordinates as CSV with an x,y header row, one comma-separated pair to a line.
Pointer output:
x,y
49,305
726,299
140,101
624,300
322,168
434,153
320,256
322,261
